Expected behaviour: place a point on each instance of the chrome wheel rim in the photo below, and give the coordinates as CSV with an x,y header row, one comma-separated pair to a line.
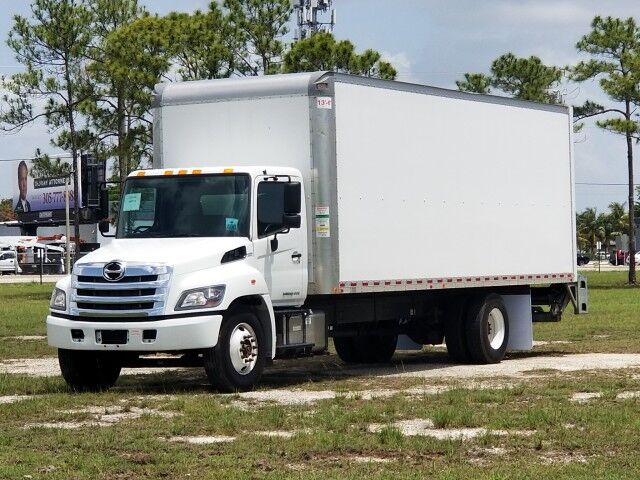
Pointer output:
x,y
495,328
243,348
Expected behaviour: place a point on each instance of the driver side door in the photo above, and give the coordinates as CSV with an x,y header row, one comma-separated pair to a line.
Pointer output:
x,y
285,268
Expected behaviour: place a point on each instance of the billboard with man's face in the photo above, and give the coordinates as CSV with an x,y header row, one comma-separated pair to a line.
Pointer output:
x,y
39,197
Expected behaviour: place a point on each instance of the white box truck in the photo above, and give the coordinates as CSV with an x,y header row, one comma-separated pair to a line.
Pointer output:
x,y
283,210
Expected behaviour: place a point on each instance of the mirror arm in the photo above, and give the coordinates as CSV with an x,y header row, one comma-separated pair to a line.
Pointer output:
x,y
274,240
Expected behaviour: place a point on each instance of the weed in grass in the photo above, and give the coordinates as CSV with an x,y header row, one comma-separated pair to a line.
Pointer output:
x,y
391,437
443,417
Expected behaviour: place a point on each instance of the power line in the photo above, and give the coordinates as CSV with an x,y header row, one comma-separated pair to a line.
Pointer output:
x,y
28,159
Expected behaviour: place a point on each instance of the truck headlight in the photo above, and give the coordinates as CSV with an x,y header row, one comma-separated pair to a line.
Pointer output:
x,y
205,297
58,300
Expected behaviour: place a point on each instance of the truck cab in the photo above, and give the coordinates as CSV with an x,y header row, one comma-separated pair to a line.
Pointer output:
x,y
193,246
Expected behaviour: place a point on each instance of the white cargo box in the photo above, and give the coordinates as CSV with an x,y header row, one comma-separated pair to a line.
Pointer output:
x,y
408,187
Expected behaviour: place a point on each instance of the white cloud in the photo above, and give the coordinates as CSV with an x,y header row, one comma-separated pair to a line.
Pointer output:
x,y
403,64
545,12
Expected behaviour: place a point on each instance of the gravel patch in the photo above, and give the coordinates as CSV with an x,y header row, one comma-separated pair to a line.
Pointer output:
x,y
102,416
561,458
200,440
287,397
277,434
426,428
305,397
14,398
584,397
365,459
518,367
48,367
627,395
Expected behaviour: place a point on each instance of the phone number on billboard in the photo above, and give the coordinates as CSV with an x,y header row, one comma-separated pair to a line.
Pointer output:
x,y
55,197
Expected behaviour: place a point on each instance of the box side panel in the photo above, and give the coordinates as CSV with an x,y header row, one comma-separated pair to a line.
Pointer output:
x,y
434,187
324,239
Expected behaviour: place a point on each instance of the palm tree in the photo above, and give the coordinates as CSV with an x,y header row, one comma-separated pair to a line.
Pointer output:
x,y
590,228
618,218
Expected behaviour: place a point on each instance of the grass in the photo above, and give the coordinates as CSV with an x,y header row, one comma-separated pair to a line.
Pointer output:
x,y
595,439
570,440
612,325
23,311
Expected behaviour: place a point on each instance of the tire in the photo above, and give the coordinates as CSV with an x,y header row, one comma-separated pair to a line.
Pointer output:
x,y
237,369
455,335
487,329
88,371
366,349
346,349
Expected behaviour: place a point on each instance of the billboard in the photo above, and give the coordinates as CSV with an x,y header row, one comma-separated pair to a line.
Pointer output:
x,y
39,197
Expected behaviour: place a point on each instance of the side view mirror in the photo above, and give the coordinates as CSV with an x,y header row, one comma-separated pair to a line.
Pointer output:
x,y
103,227
291,221
292,198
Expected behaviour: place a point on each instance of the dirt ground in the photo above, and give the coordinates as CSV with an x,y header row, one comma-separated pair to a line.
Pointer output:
x,y
423,365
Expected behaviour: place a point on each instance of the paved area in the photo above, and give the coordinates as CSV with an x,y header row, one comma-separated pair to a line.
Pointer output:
x,y
602,267
404,366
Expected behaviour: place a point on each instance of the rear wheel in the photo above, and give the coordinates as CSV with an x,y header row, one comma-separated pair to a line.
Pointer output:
x,y
455,335
88,371
236,363
366,349
487,329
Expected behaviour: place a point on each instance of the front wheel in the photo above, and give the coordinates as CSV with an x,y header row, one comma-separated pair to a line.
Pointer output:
x,y
487,329
88,371
236,363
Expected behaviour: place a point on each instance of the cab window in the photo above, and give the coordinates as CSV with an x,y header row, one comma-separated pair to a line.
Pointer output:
x,y
270,208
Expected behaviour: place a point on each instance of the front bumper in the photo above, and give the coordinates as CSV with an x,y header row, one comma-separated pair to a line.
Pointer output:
x,y
182,333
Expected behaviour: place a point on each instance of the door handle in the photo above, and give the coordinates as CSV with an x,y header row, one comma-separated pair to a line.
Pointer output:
x,y
296,256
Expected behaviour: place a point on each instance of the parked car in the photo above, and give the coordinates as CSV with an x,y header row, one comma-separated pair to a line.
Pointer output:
x,y
637,259
582,259
9,263
617,257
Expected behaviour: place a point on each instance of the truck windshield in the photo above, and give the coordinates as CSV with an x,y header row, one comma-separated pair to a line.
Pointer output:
x,y
185,206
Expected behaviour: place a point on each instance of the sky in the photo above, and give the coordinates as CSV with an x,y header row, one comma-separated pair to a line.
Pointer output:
x,y
434,42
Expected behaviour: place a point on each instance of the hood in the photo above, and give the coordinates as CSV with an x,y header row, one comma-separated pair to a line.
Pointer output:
x,y
183,254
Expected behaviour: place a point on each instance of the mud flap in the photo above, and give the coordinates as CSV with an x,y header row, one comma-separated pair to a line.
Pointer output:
x,y
520,322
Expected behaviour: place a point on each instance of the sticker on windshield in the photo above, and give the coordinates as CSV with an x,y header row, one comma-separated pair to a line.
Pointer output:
x,y
131,202
231,224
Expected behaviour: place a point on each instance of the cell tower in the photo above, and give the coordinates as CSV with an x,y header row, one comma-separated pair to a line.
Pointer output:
x,y
309,13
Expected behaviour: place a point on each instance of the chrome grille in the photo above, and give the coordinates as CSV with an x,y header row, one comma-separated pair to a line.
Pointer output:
x,y
141,292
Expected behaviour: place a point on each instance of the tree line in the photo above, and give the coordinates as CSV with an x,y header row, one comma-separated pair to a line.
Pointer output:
x,y
90,66
593,227
613,48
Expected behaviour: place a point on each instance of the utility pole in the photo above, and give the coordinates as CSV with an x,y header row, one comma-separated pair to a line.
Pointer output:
x,y
67,263
308,13
76,205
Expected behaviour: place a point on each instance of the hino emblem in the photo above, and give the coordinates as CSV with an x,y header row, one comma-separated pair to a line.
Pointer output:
x,y
113,271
